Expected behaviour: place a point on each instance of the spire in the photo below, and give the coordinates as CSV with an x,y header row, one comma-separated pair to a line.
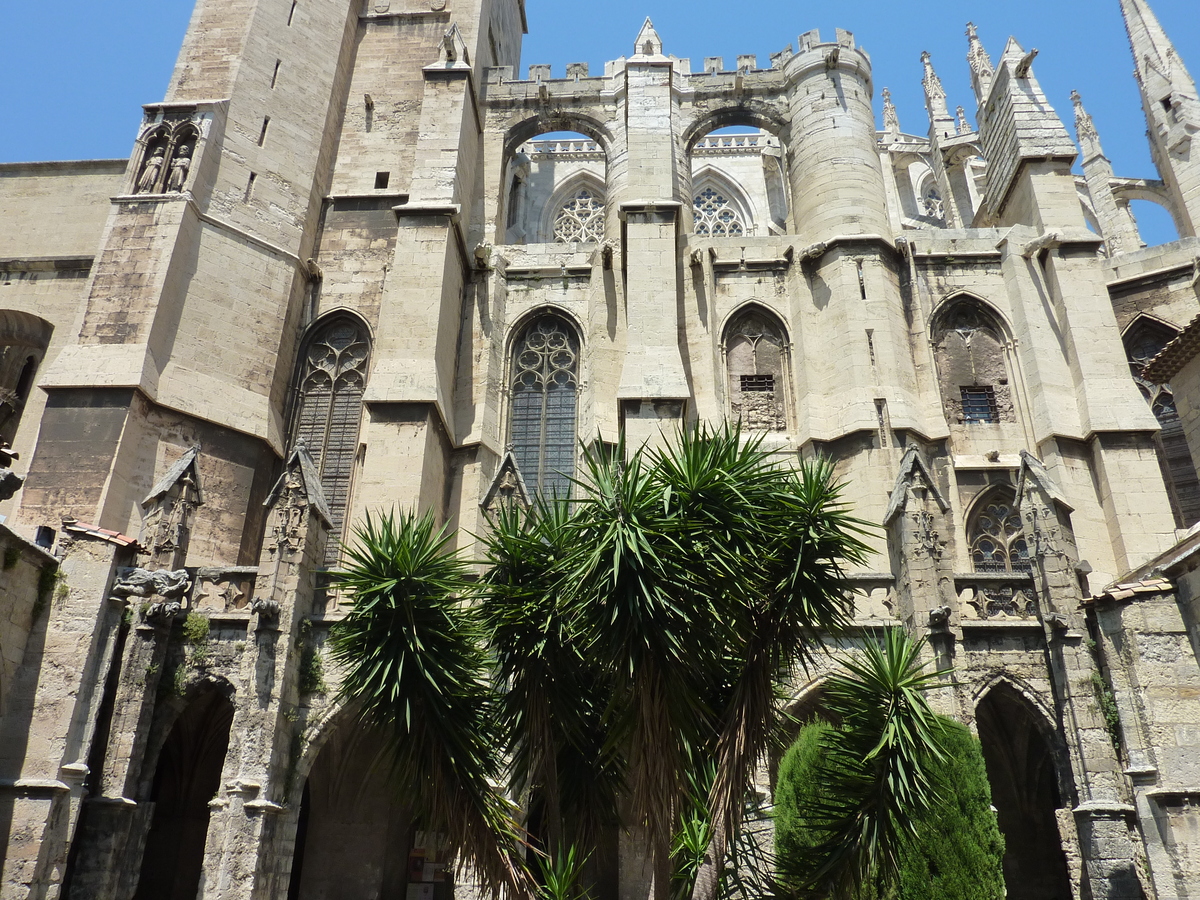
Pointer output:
x,y
1085,129
891,121
648,42
982,70
935,94
1153,52
941,123
1172,111
1113,216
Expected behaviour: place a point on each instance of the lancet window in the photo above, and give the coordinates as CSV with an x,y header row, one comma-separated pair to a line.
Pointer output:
x,y
545,387
329,412
716,215
1143,342
995,535
581,218
755,356
972,370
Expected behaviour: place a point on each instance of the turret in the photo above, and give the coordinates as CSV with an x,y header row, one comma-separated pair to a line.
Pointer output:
x,y
837,179
1172,111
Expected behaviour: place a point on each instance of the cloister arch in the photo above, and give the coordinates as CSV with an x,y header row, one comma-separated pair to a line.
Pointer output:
x,y
1027,770
187,775
354,833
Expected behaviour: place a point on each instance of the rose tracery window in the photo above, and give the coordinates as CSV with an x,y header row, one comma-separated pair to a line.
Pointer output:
x,y
715,215
580,219
754,356
329,412
996,537
545,384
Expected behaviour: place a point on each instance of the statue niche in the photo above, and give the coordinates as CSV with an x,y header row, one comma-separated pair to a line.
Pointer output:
x,y
167,151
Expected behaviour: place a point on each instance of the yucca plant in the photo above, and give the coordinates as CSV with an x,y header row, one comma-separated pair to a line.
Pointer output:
x,y
552,694
412,654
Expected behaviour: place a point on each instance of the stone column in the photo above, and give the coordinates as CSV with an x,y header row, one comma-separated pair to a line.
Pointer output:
x,y
240,852
1103,816
114,826
50,723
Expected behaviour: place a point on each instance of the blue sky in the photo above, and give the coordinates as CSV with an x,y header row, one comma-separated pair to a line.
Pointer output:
x,y
72,81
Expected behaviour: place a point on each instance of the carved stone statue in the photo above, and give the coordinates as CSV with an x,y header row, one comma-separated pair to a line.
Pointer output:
x,y
144,583
180,165
151,169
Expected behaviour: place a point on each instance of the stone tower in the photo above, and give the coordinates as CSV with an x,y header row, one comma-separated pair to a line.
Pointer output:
x,y
355,261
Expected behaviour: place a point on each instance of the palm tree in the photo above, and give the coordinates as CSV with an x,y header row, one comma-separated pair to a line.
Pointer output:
x,y
693,580
415,666
875,773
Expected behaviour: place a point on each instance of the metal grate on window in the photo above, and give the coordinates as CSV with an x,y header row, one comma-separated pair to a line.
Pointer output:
x,y
979,404
329,413
544,386
757,383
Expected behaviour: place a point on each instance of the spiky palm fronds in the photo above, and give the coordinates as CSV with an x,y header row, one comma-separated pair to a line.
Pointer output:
x,y
414,665
552,693
634,599
877,769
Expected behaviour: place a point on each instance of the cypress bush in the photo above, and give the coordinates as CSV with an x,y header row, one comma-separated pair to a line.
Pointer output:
x,y
957,849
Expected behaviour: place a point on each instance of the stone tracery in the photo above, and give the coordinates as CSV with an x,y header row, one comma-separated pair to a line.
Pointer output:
x,y
581,218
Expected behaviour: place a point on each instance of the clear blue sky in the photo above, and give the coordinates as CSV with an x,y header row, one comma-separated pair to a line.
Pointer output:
x,y
72,82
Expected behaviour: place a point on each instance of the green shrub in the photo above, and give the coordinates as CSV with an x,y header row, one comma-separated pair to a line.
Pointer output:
x,y
957,851
195,629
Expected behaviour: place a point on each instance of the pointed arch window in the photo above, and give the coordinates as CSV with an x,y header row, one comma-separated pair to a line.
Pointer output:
x,y
329,412
581,218
996,537
756,359
972,367
716,215
545,386
1144,341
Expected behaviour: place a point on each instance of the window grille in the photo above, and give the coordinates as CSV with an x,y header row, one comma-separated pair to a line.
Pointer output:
x,y
754,355
544,399
329,413
715,215
997,540
758,383
979,404
580,219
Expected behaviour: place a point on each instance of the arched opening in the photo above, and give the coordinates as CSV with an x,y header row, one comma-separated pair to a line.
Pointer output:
x,y
973,375
756,360
355,839
187,777
1023,775
1144,340
1154,222
555,184
23,342
739,181
328,410
544,381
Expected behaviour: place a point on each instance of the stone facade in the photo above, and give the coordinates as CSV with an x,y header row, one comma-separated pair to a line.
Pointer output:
x,y
354,262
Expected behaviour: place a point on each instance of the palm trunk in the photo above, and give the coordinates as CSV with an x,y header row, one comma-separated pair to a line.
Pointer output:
x,y
708,876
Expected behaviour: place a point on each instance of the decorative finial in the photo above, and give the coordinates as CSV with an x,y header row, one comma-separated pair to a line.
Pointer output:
x,y
964,127
935,94
891,121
